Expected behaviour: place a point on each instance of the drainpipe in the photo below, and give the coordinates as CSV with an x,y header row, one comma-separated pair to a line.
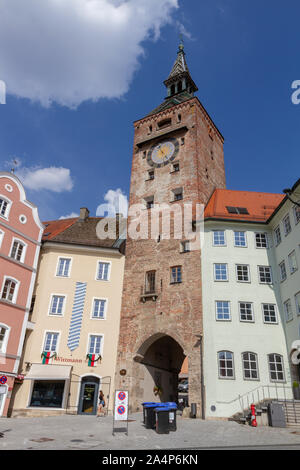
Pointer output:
x,y
202,379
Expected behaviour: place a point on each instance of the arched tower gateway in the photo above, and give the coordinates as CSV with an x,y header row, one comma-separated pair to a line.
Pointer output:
x,y
177,160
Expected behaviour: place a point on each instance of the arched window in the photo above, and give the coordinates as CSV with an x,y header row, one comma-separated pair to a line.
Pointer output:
x,y
250,366
226,365
10,289
179,87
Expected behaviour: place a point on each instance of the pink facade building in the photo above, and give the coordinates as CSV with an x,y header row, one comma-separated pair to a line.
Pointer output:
x,y
20,237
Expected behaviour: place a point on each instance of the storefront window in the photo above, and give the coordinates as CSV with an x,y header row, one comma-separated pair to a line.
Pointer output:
x,y
47,394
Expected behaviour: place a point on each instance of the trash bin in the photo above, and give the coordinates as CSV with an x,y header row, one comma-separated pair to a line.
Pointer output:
x,y
144,405
193,410
150,414
162,420
172,415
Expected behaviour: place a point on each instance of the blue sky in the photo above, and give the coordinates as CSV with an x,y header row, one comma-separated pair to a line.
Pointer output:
x,y
71,102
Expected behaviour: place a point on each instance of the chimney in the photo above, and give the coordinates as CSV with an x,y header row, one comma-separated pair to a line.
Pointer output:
x,y
84,213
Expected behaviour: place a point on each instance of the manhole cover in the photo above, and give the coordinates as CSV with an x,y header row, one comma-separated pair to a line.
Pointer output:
x,y
76,440
42,439
129,420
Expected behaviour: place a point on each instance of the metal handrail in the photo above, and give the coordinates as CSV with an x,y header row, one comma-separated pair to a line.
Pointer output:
x,y
260,387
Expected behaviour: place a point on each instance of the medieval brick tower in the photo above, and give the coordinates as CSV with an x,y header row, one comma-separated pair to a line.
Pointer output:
x,y
177,159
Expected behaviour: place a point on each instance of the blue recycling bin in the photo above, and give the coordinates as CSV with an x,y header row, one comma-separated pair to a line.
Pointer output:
x,y
150,414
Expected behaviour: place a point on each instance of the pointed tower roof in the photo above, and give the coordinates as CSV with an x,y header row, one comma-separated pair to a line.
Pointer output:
x,y
179,83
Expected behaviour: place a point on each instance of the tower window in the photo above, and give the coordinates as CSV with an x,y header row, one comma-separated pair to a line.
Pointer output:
x,y
176,167
151,175
176,274
150,129
178,194
179,117
164,123
173,89
149,202
150,282
179,87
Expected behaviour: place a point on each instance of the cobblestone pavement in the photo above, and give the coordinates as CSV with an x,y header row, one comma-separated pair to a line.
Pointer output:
x,y
89,432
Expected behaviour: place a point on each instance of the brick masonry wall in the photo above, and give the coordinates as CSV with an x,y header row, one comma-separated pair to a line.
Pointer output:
x,y
177,311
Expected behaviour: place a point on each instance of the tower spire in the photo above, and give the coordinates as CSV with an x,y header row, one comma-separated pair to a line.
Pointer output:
x,y
179,79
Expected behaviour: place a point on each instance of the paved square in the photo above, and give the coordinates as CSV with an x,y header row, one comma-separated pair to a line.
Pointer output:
x,y
92,433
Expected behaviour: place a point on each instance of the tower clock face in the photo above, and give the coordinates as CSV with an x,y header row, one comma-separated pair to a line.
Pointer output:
x,y
163,153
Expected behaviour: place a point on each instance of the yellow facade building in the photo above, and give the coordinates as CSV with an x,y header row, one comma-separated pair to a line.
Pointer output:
x,y
70,354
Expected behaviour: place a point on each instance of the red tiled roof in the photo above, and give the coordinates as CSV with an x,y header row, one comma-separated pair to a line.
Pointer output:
x,y
260,206
55,227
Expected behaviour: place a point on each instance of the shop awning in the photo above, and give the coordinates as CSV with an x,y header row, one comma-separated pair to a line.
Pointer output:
x,y
48,372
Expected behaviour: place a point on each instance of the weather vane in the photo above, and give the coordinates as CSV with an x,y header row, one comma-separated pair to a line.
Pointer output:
x,y
15,164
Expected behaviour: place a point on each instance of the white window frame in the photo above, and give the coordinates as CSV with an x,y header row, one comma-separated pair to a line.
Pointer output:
x,y
105,308
275,236
227,275
282,279
288,310
275,311
271,275
101,344
9,204
57,267
52,295
7,333
1,237
21,242
15,294
292,271
296,210
287,217
282,363
229,310
233,366
249,274
252,311
297,302
252,379
213,238
44,340
267,240
108,272
245,238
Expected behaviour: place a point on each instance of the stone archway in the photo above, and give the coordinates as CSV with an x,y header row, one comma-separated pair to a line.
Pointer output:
x,y
160,359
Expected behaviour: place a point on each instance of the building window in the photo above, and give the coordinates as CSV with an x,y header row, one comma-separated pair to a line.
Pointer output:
x,y
99,307
293,262
277,234
226,366
221,272
95,344
297,303
150,282
47,394
223,310
4,332
63,268
51,340
9,291
17,250
243,273
219,238
261,240
265,274
250,366
237,210
185,247
282,271
1,237
149,202
287,225
246,311
269,313
103,271
240,239
178,194
151,175
297,214
176,274
276,368
287,306
176,167
4,206
57,305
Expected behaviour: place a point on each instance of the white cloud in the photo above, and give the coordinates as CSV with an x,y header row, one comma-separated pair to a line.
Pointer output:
x,y
69,51
69,216
54,179
116,202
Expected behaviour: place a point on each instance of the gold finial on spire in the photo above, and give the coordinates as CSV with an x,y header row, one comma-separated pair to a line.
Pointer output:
x,y
181,45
